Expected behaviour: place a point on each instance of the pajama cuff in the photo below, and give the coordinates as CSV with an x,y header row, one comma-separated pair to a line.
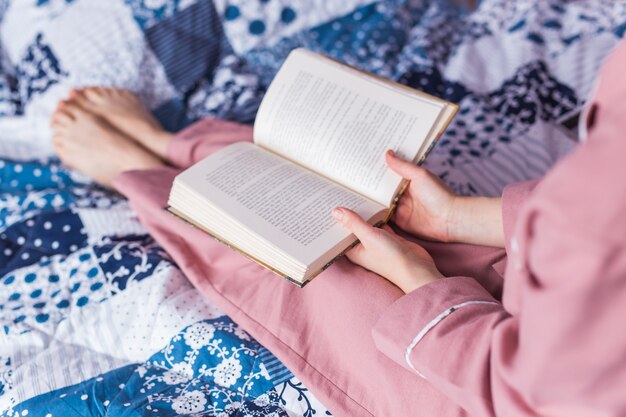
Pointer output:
x,y
408,321
180,147
124,183
203,138
137,185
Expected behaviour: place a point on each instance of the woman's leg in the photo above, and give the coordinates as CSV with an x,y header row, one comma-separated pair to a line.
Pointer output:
x,y
97,141
204,138
89,144
125,112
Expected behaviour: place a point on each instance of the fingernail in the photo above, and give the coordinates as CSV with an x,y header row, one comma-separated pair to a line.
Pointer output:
x,y
338,214
390,152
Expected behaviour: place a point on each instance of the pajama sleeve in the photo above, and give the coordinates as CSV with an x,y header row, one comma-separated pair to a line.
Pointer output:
x,y
558,347
204,138
513,199
437,332
555,347
444,331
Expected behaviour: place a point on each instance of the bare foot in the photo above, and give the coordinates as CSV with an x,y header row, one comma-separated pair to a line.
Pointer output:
x,y
89,144
125,111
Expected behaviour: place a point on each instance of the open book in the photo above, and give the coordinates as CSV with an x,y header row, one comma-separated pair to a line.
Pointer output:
x,y
319,142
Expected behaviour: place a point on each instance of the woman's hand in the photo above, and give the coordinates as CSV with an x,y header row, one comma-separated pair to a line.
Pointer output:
x,y
404,263
427,207
430,210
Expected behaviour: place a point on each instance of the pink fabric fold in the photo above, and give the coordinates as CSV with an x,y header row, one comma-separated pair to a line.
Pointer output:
x,y
420,309
203,138
513,199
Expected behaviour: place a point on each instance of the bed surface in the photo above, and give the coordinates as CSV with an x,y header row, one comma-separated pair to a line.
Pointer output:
x,y
94,317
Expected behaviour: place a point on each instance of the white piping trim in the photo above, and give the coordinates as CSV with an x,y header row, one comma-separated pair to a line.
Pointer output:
x,y
433,323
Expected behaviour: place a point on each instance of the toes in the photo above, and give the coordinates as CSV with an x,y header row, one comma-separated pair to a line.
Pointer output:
x,y
129,96
105,95
61,119
56,126
60,146
81,99
58,141
93,94
74,92
70,108
110,92
112,95
65,111
64,149
59,129
77,111
59,106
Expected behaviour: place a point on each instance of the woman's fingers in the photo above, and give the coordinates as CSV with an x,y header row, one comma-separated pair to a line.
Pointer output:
x,y
364,231
402,262
354,223
357,255
405,169
369,236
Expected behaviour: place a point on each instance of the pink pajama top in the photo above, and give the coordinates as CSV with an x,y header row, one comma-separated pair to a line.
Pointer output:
x,y
556,343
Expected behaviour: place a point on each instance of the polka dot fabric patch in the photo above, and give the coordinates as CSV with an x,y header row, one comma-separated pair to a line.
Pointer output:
x,y
250,24
41,295
39,237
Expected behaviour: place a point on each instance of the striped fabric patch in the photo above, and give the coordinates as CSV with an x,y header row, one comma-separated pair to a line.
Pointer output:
x,y
277,371
189,44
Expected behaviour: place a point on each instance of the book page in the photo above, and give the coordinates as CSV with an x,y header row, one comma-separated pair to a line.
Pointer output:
x,y
287,206
339,122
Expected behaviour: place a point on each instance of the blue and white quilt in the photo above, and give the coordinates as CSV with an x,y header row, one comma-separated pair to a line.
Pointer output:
x,y
94,317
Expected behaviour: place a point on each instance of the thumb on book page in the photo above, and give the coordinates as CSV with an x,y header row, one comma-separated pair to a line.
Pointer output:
x,y
354,223
405,169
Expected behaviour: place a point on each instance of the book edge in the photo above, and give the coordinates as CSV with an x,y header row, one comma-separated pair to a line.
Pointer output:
x,y
172,211
381,79
405,183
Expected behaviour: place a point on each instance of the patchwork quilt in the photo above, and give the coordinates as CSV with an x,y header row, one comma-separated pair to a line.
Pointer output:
x,y
95,318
